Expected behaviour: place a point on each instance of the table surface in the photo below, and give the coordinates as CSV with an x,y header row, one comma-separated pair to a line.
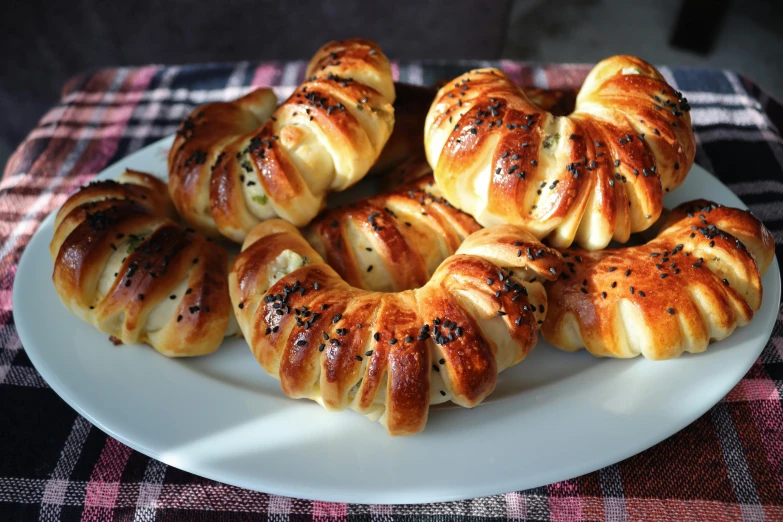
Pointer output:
x,y
54,465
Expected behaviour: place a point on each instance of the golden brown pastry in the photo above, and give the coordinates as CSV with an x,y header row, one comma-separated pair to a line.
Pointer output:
x,y
324,138
595,175
212,132
697,281
390,356
122,265
410,111
392,241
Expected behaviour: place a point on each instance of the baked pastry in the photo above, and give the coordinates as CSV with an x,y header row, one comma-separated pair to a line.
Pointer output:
x,y
410,111
392,241
593,176
324,138
122,265
212,132
695,282
390,356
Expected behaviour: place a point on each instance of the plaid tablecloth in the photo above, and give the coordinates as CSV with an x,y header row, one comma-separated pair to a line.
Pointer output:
x,y
728,465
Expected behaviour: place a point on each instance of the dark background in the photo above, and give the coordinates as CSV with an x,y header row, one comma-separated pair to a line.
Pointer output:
x,y
45,42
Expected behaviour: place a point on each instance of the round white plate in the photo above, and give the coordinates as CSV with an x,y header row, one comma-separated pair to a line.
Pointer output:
x,y
552,417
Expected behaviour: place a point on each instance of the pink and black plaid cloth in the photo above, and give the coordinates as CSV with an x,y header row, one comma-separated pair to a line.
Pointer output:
x,y
54,465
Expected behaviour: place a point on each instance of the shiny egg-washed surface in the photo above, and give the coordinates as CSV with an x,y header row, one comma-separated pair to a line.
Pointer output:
x,y
395,240
695,282
593,176
390,356
123,265
325,137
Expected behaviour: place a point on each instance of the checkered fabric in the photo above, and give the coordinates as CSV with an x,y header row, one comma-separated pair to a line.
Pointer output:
x,y
54,465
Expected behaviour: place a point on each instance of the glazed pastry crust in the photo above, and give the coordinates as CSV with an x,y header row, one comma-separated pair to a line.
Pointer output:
x,y
395,240
234,165
122,265
695,282
391,355
593,176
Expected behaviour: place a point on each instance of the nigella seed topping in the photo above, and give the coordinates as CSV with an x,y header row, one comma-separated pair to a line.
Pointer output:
x,y
392,341
376,336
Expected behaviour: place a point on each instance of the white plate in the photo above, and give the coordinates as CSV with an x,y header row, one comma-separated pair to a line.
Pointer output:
x,y
553,417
